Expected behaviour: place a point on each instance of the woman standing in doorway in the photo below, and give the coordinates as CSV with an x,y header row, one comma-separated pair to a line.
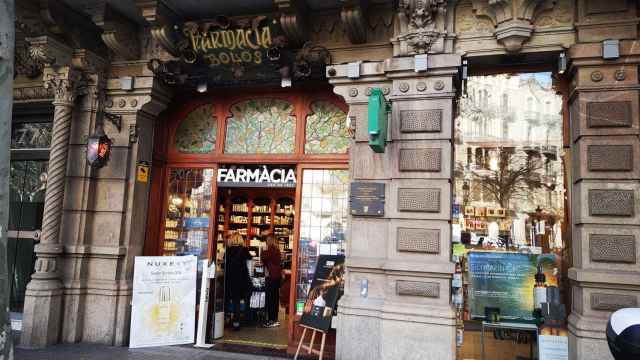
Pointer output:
x,y
238,282
272,259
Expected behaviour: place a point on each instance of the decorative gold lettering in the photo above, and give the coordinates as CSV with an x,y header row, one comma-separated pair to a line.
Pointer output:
x,y
195,39
213,60
215,37
235,57
224,58
266,37
246,56
257,55
240,38
230,39
206,43
247,35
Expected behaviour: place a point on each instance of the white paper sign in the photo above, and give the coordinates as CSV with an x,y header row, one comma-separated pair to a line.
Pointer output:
x,y
553,347
164,301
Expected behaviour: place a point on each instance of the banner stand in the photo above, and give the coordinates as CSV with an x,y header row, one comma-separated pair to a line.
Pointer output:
x,y
201,337
309,348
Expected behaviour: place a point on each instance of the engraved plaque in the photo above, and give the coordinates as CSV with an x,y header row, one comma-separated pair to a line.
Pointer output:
x,y
418,240
609,114
367,199
421,200
611,203
612,248
609,6
610,157
420,159
612,302
421,121
418,288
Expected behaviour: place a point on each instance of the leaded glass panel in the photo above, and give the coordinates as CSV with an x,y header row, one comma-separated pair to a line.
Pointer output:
x,y
261,126
326,130
197,132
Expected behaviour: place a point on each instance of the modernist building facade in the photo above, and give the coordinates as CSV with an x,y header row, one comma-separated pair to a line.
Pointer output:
x,y
471,84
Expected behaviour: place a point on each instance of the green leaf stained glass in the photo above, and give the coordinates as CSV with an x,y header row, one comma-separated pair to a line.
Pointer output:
x,y
327,131
197,132
261,126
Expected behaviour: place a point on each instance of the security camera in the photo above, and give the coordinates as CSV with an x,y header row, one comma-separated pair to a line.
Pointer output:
x,y
623,334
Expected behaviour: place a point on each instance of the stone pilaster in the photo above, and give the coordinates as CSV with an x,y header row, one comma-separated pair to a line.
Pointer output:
x,y
404,257
605,186
42,309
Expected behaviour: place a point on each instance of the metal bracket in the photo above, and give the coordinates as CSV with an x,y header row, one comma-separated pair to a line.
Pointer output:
x,y
115,119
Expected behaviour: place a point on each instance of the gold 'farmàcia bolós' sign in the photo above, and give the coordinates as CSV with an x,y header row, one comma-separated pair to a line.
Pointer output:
x,y
243,45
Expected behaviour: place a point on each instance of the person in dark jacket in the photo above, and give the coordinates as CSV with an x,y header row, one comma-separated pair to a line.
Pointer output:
x,y
271,259
237,280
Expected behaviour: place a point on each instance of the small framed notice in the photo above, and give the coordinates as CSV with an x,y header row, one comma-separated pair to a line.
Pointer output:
x,y
553,347
367,199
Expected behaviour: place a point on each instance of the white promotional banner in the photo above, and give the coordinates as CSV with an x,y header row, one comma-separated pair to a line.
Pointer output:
x,y
164,301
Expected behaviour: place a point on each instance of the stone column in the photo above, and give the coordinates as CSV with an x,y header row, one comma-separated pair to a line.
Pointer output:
x,y
404,256
605,129
43,301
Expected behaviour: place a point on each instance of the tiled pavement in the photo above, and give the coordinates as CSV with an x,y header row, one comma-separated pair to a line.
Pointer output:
x,y
101,352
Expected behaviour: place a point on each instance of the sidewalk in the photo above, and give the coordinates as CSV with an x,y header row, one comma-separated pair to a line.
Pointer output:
x,y
101,352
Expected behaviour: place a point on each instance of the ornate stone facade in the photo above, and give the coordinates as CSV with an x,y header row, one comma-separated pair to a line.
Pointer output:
x,y
94,220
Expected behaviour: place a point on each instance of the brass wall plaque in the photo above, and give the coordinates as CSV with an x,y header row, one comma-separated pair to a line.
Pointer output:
x,y
367,199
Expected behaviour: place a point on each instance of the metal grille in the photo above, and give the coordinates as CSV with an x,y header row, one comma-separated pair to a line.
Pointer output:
x,y
610,157
420,159
609,114
421,121
418,288
419,240
612,248
612,302
611,202
422,200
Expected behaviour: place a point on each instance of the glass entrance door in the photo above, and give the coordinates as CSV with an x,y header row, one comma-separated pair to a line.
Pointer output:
x,y
27,190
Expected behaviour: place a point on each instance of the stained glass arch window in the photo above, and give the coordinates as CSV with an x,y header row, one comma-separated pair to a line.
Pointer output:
x,y
261,126
197,133
327,131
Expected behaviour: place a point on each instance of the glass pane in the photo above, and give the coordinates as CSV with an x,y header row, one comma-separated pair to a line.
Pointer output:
x,y
197,132
509,195
31,135
326,130
189,210
27,189
262,126
322,225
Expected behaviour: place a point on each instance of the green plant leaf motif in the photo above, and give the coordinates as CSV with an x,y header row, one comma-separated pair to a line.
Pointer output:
x,y
196,134
261,126
326,129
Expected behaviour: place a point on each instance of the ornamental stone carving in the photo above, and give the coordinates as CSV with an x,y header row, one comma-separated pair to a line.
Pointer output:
x,y
420,27
512,19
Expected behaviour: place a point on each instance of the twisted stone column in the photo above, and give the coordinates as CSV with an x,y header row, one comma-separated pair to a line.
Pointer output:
x,y
43,300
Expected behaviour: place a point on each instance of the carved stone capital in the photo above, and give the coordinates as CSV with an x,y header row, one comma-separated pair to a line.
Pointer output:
x,y
512,19
293,20
353,15
119,33
162,20
49,51
65,82
420,27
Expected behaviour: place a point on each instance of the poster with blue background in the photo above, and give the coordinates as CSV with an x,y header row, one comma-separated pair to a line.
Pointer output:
x,y
505,280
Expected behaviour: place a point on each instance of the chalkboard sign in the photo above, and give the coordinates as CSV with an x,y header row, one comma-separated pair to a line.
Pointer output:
x,y
326,289
367,199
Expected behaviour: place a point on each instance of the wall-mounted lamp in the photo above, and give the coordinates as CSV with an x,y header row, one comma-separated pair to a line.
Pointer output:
x,y
562,63
202,87
98,149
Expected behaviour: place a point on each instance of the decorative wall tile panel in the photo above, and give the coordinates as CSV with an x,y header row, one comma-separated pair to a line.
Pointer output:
x,y
418,288
422,200
612,248
609,114
420,160
612,302
611,202
610,157
421,121
418,240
